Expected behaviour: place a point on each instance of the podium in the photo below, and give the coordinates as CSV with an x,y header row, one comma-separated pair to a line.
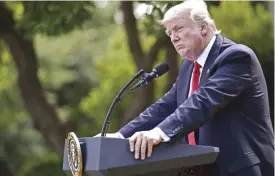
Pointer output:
x,y
104,156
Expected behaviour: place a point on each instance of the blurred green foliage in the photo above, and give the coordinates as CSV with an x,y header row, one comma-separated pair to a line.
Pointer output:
x,y
113,70
53,17
246,25
84,61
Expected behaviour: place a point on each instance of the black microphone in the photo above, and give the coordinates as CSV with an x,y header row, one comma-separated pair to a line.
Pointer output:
x,y
117,100
148,77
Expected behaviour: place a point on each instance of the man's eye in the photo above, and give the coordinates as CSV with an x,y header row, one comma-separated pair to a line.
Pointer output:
x,y
179,29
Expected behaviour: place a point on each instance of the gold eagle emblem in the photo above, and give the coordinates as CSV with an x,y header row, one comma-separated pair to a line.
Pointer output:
x,y
74,154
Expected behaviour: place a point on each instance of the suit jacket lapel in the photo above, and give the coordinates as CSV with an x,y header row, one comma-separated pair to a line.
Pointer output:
x,y
213,54
188,76
184,80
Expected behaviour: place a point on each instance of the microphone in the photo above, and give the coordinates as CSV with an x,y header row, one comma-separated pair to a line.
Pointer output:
x,y
117,100
148,77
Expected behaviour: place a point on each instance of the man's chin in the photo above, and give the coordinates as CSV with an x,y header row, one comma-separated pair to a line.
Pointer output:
x,y
183,54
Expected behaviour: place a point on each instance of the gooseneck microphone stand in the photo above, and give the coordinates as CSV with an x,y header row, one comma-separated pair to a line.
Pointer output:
x,y
117,100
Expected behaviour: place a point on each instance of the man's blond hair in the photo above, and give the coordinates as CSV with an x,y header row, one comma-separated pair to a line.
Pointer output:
x,y
195,10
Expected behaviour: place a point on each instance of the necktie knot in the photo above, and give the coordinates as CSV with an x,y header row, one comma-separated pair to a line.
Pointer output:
x,y
197,67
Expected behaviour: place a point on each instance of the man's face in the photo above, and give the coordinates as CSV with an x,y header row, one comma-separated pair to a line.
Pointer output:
x,y
187,37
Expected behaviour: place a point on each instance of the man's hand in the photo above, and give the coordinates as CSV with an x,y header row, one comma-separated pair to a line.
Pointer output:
x,y
143,140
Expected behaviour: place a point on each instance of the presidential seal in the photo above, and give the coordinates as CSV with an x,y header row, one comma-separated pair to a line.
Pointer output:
x,y
74,154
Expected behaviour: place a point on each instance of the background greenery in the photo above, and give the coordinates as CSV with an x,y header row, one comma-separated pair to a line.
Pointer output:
x,y
62,63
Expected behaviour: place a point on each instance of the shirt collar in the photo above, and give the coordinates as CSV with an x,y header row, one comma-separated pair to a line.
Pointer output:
x,y
202,58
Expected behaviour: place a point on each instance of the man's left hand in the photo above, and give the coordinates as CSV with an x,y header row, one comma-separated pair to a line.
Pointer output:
x,y
144,141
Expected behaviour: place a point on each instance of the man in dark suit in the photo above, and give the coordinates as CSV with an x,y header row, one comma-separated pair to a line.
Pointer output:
x,y
219,99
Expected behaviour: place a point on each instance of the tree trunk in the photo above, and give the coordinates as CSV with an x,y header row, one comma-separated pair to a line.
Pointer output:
x,y
130,26
172,60
271,10
43,114
142,99
4,168
145,61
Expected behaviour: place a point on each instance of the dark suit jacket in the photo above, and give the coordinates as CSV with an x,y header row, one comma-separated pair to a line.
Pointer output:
x,y
229,110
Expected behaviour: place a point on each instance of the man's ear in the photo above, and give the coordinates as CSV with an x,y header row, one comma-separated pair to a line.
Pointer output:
x,y
204,27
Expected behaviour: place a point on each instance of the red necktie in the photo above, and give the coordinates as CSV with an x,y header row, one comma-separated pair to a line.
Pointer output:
x,y
195,85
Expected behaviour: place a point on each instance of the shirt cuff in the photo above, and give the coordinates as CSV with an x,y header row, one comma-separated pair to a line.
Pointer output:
x,y
162,134
120,135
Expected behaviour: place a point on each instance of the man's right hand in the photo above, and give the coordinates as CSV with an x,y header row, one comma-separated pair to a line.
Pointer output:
x,y
111,135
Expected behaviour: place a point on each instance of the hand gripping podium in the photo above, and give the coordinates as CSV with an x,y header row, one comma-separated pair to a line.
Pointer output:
x,y
103,156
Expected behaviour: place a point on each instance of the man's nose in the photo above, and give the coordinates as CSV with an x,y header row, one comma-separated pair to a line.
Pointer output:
x,y
174,38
